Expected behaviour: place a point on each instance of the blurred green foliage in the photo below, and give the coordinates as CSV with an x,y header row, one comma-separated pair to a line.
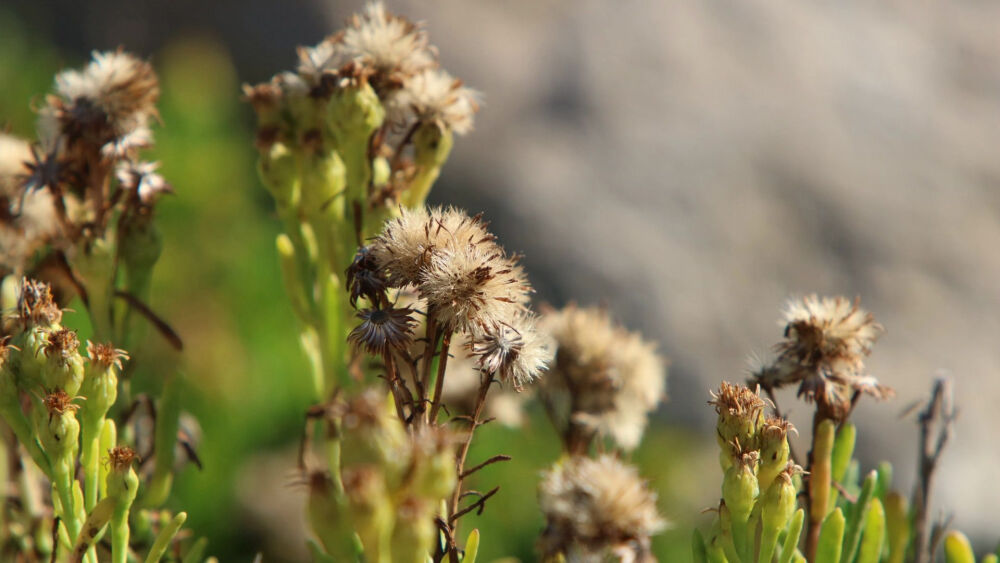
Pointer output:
x,y
218,284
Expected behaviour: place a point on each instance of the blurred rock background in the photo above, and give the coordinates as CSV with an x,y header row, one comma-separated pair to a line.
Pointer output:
x,y
691,165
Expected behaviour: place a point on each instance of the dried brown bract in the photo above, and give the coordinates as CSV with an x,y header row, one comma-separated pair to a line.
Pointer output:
x,y
121,458
59,402
383,330
61,344
106,355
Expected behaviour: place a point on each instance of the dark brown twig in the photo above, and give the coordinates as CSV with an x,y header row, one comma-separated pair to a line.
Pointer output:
x,y
494,459
479,504
161,325
935,421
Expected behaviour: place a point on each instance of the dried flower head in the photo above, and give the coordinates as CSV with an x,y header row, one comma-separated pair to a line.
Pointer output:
x,y
405,246
59,402
27,217
108,103
364,278
594,507
435,96
614,378
120,458
35,305
106,355
515,351
61,344
393,47
461,389
474,287
142,180
383,330
826,342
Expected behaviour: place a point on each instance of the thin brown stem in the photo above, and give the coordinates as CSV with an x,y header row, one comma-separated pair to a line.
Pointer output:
x,y
484,389
494,459
936,422
439,382
812,535
393,380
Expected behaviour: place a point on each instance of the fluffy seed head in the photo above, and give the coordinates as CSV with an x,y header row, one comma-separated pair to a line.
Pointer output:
x,y
614,377
826,342
392,46
514,351
594,507
405,246
110,101
435,96
474,287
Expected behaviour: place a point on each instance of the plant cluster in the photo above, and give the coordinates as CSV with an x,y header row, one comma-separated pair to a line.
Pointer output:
x,y
845,517
77,209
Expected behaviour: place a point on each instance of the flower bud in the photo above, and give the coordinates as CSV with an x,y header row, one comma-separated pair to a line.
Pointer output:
x,y
63,368
431,147
140,246
369,509
57,427
278,169
322,181
741,415
369,432
100,382
778,503
740,488
123,483
413,534
353,113
773,442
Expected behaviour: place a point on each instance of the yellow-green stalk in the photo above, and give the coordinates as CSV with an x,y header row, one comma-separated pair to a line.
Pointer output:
x,y
123,484
777,507
100,389
59,432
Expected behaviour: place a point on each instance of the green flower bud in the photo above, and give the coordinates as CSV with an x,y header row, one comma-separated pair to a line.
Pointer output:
x,y
370,433
413,535
740,488
777,508
353,113
279,171
774,450
433,459
431,147
122,486
327,518
100,383
370,509
741,416
58,429
323,178
63,368
28,364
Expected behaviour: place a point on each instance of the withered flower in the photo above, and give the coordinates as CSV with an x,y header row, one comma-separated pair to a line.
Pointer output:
x,y
35,305
435,96
142,180
61,344
106,355
514,351
383,330
596,507
59,402
121,457
613,378
364,278
826,342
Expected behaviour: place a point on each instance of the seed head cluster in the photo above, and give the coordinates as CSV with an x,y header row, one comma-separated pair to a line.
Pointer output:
x,y
596,508
468,283
826,341
613,378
